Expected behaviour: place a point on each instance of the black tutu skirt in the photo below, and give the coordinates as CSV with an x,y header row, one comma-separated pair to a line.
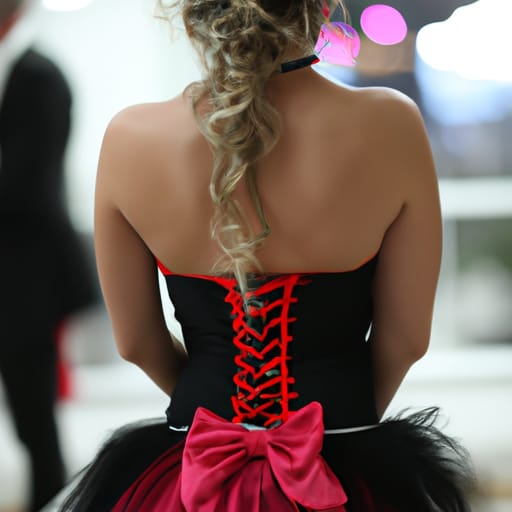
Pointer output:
x,y
406,464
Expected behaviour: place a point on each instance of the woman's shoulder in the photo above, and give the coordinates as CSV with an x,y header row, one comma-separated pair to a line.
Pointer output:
x,y
377,117
142,134
146,122
397,137
387,138
384,119
381,106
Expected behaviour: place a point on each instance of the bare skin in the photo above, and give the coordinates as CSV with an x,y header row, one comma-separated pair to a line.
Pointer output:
x,y
351,175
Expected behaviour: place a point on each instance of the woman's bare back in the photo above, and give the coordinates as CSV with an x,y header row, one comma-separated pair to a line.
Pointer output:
x,y
352,175
350,178
330,188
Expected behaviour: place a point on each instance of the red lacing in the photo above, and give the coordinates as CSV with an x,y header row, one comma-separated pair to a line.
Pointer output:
x,y
263,387
262,379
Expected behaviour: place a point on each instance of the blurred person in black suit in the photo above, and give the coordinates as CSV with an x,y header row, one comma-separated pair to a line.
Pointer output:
x,y
44,275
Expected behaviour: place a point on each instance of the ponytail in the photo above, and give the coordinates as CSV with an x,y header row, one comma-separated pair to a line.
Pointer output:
x,y
241,44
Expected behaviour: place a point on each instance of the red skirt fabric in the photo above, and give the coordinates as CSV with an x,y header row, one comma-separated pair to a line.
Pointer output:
x,y
404,465
224,467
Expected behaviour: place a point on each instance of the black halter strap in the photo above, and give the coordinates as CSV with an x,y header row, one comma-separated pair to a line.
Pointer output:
x,y
303,62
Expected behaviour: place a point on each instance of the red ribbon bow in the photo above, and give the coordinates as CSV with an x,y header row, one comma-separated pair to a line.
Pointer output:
x,y
229,468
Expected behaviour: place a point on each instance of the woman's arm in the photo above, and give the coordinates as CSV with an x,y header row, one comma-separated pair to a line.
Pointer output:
x,y
410,256
127,269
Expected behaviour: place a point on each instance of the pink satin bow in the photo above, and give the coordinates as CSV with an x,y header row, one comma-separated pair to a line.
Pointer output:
x,y
231,469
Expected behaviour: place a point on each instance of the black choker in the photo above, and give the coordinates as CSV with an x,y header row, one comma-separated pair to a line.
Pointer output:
x,y
303,62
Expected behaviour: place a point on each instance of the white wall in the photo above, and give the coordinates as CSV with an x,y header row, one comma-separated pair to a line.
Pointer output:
x,y
114,53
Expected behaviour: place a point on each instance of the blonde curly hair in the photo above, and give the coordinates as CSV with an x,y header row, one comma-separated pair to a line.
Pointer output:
x,y
241,43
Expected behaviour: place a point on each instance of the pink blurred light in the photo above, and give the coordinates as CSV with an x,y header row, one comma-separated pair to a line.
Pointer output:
x,y
383,24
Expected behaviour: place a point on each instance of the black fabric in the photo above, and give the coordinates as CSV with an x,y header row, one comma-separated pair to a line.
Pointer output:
x,y
40,252
44,273
329,357
119,462
34,128
29,382
406,463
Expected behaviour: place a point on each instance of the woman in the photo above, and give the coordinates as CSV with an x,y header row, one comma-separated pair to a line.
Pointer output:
x,y
320,218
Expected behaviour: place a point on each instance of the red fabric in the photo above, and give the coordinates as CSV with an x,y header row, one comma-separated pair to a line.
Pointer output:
x,y
158,488
165,271
365,501
263,391
64,378
325,10
227,468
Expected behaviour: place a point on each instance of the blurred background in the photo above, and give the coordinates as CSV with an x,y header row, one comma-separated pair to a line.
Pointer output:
x,y
455,63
